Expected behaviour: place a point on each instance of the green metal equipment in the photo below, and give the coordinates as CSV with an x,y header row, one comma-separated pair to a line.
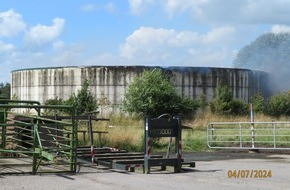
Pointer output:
x,y
33,143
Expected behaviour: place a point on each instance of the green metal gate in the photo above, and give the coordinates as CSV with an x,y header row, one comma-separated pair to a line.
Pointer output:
x,y
33,143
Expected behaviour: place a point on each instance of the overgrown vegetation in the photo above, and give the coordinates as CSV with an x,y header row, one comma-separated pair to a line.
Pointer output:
x,y
83,101
225,103
258,102
278,105
125,132
5,90
154,94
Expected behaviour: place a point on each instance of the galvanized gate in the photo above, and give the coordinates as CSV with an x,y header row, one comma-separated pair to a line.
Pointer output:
x,y
33,143
249,135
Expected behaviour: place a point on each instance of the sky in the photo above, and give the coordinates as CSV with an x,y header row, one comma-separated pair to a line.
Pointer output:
x,y
206,33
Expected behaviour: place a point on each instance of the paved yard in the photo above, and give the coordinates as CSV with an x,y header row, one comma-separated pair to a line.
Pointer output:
x,y
211,172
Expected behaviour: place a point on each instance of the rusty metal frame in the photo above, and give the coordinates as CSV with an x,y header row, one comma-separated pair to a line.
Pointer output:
x,y
48,145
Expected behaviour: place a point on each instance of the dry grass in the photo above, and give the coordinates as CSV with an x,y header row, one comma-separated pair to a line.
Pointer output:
x,y
124,137
128,133
123,133
201,120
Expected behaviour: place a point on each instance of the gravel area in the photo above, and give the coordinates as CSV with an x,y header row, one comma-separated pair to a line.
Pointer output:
x,y
211,172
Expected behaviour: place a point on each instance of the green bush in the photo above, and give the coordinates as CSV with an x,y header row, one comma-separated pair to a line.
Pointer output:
x,y
202,102
278,104
258,102
82,102
5,90
54,101
225,103
154,94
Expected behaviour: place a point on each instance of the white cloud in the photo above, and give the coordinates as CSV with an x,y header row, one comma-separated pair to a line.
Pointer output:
x,y
138,6
156,46
209,57
220,11
280,29
40,35
108,7
11,23
217,35
67,56
177,6
5,47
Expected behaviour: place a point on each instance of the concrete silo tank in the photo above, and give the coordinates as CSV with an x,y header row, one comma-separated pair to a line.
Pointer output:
x,y
109,83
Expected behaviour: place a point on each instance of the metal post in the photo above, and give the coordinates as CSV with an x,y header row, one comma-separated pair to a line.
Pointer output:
x,y
178,147
169,147
147,147
91,135
241,135
34,161
252,126
274,134
3,120
100,139
56,132
35,143
74,141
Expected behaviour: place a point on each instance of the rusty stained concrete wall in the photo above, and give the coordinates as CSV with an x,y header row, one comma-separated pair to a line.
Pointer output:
x,y
194,81
109,83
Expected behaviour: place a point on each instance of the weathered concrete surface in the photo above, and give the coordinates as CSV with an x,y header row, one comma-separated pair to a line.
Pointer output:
x,y
210,173
109,83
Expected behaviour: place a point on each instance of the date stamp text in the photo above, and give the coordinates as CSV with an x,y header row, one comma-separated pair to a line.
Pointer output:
x,y
249,173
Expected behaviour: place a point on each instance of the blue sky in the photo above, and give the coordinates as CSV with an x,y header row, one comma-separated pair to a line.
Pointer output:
x,y
207,33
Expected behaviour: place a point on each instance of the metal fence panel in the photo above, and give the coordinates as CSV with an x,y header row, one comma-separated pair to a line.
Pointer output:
x,y
249,135
33,143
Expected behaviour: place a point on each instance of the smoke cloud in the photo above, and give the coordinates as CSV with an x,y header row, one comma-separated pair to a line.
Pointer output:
x,y
270,53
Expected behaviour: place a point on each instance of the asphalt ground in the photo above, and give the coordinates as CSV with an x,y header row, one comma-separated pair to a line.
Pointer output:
x,y
266,170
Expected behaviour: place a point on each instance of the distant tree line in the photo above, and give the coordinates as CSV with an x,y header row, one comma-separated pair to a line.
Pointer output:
x,y
5,89
154,94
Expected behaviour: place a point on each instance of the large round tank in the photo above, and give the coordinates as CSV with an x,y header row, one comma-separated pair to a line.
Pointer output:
x,y
109,83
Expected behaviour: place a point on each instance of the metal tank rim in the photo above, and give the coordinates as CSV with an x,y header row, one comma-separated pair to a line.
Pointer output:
x,y
138,66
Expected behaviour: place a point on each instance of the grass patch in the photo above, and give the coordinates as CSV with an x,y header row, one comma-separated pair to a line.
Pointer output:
x,y
195,140
128,133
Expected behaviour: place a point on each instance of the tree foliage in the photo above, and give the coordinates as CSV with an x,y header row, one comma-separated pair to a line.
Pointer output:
x,y
225,103
82,102
258,102
154,94
278,104
5,89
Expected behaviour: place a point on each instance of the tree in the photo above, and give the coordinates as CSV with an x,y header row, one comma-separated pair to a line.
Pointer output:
x,y
82,102
5,89
225,103
258,102
154,94
278,104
